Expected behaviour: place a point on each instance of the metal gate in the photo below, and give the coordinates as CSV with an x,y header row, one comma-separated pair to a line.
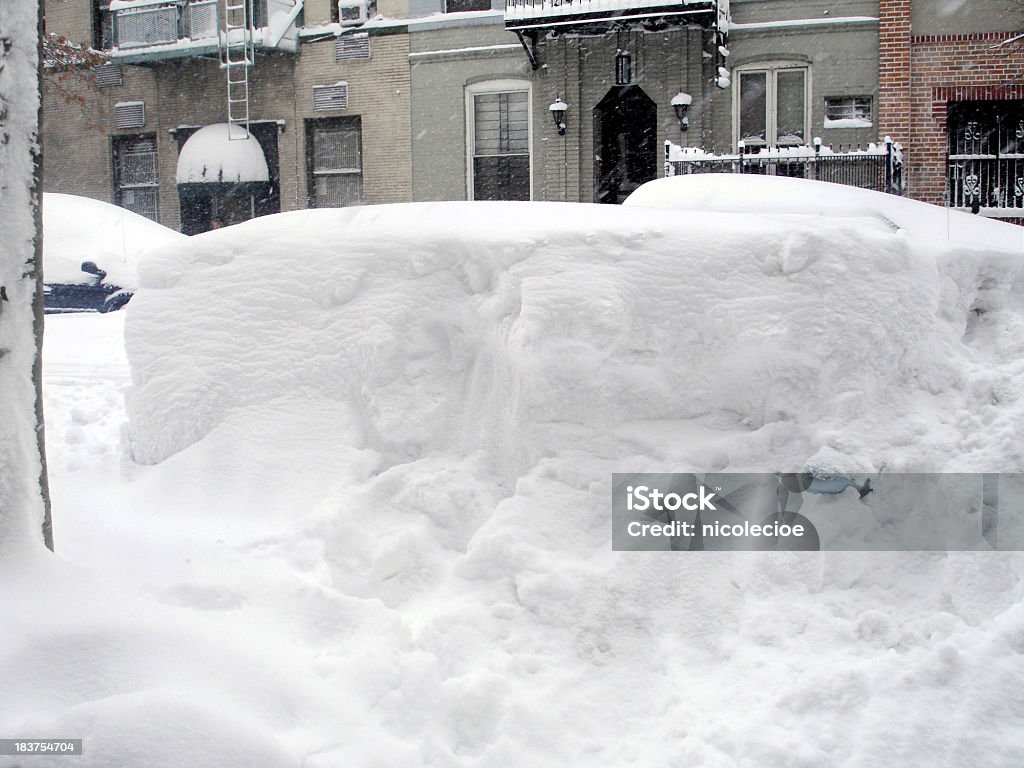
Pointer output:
x,y
985,166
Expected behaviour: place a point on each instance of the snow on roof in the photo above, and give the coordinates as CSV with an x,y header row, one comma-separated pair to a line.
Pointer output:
x,y
209,156
77,229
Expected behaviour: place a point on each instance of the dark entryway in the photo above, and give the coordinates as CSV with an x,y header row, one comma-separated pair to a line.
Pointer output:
x,y
212,205
625,143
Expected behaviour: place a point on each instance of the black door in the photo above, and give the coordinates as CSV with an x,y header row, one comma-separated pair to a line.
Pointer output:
x,y
625,143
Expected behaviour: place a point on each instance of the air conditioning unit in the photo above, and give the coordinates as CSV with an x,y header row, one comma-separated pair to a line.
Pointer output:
x,y
351,12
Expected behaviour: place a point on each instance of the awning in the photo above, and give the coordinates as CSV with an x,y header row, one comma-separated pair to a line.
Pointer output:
x,y
211,157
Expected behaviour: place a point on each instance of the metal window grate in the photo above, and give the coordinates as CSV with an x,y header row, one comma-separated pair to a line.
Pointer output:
x,y
848,108
108,75
336,155
202,19
330,97
130,114
352,47
146,26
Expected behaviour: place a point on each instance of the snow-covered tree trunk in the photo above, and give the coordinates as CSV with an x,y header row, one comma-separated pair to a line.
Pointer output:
x,y
24,499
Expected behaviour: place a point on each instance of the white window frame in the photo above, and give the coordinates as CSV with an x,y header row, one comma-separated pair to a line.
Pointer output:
x,y
771,69
495,86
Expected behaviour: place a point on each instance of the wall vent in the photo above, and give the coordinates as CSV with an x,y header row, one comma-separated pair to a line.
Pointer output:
x,y
130,114
330,97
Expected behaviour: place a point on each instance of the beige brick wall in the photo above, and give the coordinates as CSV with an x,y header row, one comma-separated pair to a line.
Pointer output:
x,y
79,126
70,18
378,91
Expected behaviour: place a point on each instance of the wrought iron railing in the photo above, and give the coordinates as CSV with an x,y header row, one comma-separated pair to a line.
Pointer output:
x,y
985,165
878,166
528,9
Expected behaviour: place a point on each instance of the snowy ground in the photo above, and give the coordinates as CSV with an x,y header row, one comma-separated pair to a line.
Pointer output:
x,y
380,555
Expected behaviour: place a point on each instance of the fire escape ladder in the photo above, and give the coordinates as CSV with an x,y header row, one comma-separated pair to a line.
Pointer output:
x,y
239,55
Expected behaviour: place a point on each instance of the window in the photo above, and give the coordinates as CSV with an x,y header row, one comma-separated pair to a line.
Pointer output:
x,y
455,6
848,112
771,106
335,159
135,174
499,142
985,166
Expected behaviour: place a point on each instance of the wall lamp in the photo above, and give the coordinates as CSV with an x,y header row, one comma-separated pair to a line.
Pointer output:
x,y
681,104
558,114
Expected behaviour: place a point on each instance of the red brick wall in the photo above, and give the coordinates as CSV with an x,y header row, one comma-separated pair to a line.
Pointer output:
x,y
947,68
894,68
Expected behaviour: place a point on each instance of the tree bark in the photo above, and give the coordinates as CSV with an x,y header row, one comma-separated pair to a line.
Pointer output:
x,y
24,496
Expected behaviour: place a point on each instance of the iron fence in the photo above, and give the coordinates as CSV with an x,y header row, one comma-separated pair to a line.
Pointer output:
x,y
878,167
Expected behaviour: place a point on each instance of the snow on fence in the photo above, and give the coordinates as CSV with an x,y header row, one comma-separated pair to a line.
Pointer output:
x,y
529,9
878,166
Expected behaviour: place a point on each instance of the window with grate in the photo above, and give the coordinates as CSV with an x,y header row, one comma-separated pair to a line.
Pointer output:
x,y
135,174
500,145
848,112
334,157
985,155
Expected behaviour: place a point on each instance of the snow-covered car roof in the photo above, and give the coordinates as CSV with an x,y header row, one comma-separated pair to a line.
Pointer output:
x,y
752,193
77,229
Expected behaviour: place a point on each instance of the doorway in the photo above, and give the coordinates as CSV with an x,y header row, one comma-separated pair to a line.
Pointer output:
x,y
625,143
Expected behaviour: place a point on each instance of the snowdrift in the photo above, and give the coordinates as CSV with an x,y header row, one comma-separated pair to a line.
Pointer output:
x,y
77,229
521,329
373,526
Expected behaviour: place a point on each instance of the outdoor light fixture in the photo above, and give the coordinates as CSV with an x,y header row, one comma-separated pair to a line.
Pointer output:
x,y
623,68
681,103
558,113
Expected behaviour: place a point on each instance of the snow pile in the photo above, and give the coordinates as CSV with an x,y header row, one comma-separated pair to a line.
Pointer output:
x,y
222,153
379,530
77,229
480,327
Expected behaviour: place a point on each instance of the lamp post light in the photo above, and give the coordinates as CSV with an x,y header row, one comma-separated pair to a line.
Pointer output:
x,y
681,104
623,68
558,114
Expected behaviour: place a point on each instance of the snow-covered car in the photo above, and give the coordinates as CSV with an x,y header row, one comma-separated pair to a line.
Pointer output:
x,y
91,251
94,295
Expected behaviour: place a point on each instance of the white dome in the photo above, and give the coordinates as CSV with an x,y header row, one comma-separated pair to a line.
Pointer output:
x,y
210,156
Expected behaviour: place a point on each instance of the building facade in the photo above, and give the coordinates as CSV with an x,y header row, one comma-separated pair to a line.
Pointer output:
x,y
351,103
952,82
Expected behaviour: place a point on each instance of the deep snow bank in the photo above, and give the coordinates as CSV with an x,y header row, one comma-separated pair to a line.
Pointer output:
x,y
521,329
383,536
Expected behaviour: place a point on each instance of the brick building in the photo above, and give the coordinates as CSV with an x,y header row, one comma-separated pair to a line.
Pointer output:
x,y
951,89
356,102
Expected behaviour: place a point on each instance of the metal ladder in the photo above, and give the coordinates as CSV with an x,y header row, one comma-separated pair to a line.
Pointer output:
x,y
239,54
